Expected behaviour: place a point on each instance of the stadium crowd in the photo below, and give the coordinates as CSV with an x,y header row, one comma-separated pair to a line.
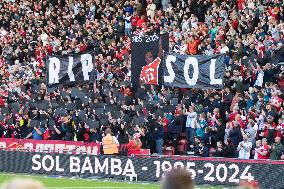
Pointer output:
x,y
244,119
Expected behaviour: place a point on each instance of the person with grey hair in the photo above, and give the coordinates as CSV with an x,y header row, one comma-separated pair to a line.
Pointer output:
x,y
276,149
263,151
235,133
250,131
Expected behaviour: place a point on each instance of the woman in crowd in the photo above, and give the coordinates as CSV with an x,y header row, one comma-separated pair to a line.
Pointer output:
x,y
134,145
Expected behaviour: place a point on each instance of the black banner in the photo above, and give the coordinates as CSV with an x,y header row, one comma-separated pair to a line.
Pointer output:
x,y
70,68
147,58
200,71
213,171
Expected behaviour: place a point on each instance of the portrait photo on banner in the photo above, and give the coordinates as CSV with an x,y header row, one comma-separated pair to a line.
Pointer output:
x,y
147,58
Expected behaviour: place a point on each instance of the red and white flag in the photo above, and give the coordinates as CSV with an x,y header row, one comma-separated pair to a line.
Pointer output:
x,y
149,73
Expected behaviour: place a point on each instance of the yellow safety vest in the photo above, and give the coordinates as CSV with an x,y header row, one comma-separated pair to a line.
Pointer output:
x,y
109,145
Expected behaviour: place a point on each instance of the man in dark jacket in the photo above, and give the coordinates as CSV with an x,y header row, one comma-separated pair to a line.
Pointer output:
x,y
276,149
220,130
229,150
159,132
219,151
236,134
175,128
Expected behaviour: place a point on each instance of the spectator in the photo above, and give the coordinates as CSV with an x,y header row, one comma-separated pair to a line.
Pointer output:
x,y
159,130
276,149
95,135
202,150
175,129
193,45
263,151
134,145
220,133
110,143
37,133
82,132
145,138
201,125
244,148
127,23
269,132
229,149
123,137
235,133
190,126
256,150
56,133
250,131
219,151
151,8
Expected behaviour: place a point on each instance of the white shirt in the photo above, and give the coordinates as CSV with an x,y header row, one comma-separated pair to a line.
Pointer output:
x,y
194,24
44,38
183,49
128,22
185,25
244,151
224,50
76,8
275,33
191,118
259,79
255,153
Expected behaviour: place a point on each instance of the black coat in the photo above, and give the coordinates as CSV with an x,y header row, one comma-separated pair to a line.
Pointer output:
x,y
122,137
219,153
220,133
236,135
175,126
229,151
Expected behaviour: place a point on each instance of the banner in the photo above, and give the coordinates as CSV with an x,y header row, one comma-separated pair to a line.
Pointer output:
x,y
59,146
146,59
200,71
213,171
70,68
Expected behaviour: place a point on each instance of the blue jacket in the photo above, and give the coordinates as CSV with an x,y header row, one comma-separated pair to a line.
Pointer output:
x,y
129,9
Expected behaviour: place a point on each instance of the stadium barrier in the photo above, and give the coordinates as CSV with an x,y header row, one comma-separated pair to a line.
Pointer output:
x,y
213,171
59,146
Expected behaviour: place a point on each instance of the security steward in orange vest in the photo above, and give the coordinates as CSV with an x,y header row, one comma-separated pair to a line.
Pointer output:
x,y
110,143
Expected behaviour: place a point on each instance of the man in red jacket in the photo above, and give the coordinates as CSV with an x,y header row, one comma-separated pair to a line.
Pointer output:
x,y
134,19
141,21
263,150
233,114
